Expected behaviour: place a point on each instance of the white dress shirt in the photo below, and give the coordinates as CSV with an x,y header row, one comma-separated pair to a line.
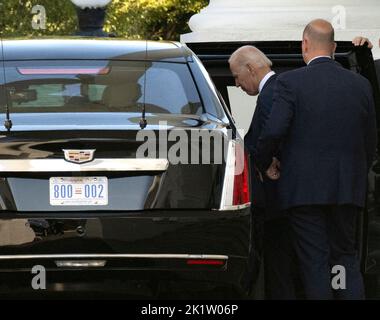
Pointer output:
x,y
265,79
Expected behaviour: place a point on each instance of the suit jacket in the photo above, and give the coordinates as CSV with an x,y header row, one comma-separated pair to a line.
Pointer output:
x,y
324,117
263,193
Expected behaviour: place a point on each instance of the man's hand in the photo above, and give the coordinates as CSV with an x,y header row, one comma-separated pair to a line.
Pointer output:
x,y
360,41
273,171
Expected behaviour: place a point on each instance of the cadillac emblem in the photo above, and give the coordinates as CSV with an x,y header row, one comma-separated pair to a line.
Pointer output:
x,y
79,156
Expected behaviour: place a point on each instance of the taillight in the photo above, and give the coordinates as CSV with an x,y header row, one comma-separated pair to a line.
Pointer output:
x,y
241,181
236,188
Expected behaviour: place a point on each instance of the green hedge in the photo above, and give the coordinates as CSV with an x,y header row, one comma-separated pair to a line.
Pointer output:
x,y
133,19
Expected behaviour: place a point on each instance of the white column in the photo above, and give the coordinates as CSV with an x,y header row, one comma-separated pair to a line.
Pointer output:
x,y
265,20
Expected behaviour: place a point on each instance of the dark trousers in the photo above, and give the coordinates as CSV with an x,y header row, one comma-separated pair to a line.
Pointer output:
x,y
325,236
279,260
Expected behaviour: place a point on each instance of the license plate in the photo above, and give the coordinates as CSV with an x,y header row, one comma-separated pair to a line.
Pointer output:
x,y
78,191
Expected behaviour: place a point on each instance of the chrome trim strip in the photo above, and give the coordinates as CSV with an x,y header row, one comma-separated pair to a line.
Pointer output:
x,y
109,256
61,165
238,207
80,263
228,183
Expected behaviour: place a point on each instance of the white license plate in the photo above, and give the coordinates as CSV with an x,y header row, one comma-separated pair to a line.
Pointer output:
x,y
78,191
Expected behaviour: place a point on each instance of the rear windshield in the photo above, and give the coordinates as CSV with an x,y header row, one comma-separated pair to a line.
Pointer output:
x,y
100,86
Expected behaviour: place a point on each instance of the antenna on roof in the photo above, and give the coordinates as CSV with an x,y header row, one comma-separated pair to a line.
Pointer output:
x,y
143,122
8,121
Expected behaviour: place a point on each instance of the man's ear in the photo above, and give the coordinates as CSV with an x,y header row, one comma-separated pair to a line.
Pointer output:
x,y
305,45
251,68
334,47
305,50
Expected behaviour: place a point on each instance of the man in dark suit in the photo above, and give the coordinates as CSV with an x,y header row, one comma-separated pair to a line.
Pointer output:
x,y
324,118
252,72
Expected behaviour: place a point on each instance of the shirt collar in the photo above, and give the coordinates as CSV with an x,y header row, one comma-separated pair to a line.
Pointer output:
x,y
318,58
265,79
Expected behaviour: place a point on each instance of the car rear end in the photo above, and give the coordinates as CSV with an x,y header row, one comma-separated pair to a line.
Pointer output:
x,y
94,196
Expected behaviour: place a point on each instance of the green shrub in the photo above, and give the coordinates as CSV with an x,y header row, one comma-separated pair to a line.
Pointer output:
x,y
134,19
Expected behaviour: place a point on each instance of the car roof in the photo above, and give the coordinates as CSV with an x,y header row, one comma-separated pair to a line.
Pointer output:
x,y
93,49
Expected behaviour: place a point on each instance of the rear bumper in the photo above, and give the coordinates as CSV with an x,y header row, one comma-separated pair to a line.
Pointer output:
x,y
148,283
201,248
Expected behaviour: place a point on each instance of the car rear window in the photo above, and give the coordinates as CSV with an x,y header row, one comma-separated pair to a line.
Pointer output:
x,y
100,86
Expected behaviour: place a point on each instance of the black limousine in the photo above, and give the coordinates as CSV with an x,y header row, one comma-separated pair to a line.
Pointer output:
x,y
119,165
121,168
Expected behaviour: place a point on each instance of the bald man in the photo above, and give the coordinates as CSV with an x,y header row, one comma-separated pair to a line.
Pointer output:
x,y
252,72
324,118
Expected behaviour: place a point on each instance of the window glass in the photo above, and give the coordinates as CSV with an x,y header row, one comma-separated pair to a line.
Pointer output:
x,y
100,86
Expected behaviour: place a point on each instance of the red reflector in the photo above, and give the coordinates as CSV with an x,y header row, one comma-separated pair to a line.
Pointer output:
x,y
241,182
205,262
57,71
